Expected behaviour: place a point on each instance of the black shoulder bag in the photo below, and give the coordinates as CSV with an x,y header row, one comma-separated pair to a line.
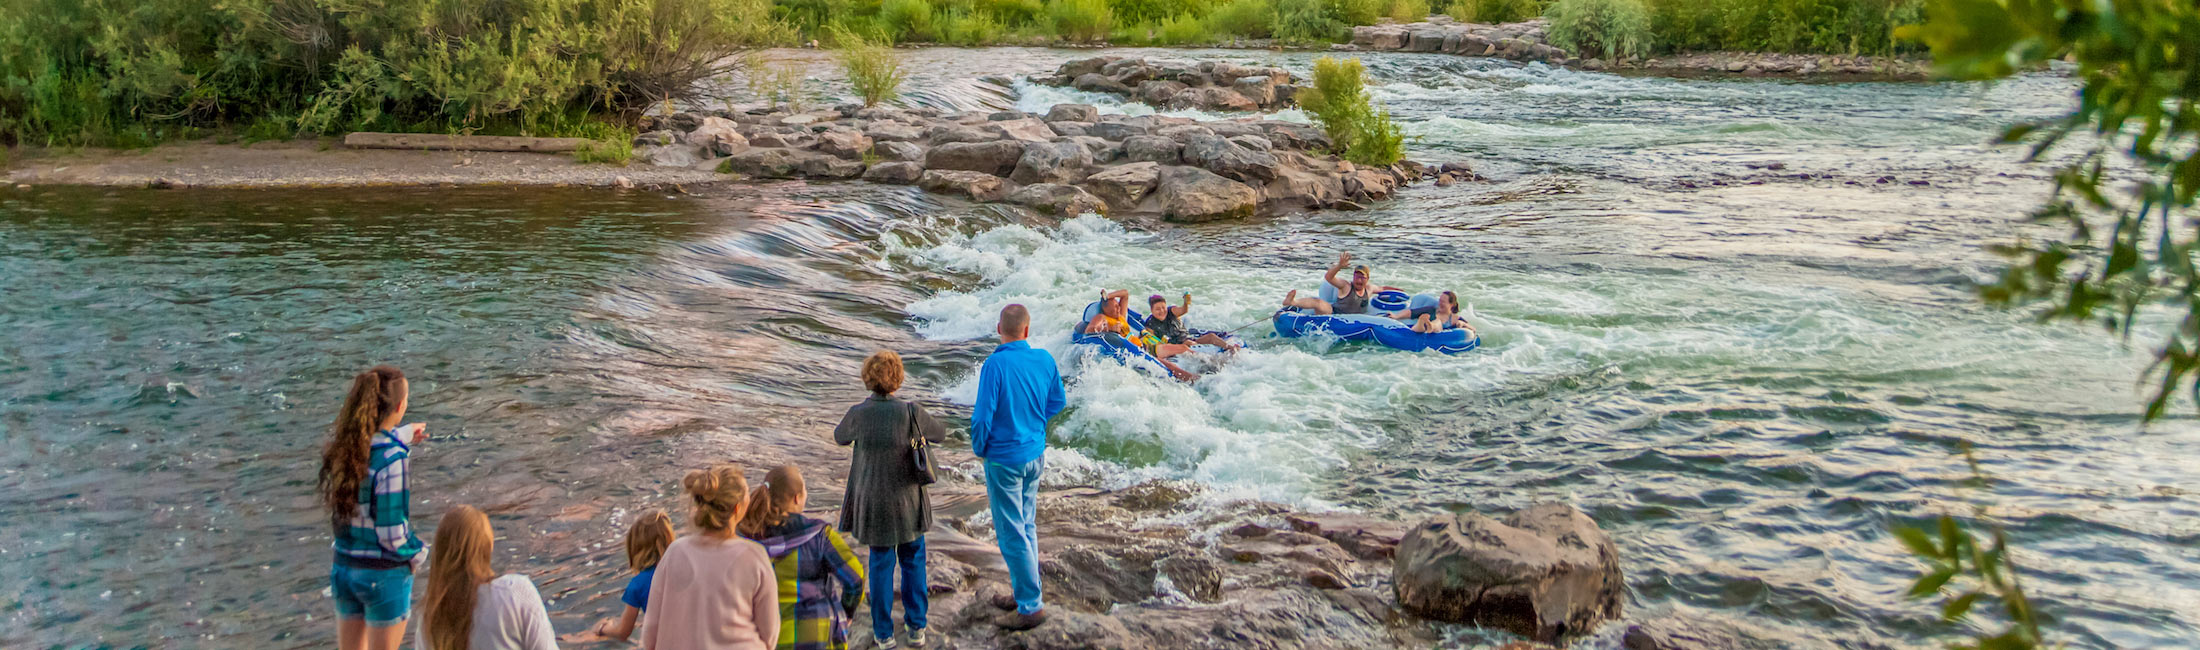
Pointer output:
x,y
921,469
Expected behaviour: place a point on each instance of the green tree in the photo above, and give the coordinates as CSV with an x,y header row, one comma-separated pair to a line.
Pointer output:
x,y
2141,76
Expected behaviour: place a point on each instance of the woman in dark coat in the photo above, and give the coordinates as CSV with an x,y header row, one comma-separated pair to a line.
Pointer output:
x,y
884,507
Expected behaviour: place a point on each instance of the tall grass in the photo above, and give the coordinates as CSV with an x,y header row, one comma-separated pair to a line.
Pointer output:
x,y
1184,30
1406,11
906,20
873,68
1339,100
1601,28
1246,18
1079,20
1498,11
1308,21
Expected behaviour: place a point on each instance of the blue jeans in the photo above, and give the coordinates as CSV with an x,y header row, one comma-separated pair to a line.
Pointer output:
x,y
382,596
914,598
1013,494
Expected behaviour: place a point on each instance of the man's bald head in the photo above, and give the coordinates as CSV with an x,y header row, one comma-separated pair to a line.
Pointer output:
x,y
1015,323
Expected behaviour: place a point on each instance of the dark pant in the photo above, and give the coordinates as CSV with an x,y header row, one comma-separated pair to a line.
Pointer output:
x,y
914,598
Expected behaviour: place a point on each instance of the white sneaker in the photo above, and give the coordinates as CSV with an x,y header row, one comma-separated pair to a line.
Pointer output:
x,y
916,638
888,643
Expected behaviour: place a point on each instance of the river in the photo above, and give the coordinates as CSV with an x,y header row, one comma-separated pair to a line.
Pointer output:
x,y
1706,319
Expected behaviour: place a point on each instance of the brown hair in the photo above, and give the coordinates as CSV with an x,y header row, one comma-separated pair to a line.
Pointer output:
x,y
646,541
773,501
718,493
882,372
1454,298
1015,318
374,395
457,564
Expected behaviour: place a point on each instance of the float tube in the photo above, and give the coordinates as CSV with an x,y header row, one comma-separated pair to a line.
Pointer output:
x,y
1128,353
1381,329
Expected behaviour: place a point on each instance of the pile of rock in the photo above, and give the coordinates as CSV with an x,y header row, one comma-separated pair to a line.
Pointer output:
x,y
1526,41
1070,161
1206,85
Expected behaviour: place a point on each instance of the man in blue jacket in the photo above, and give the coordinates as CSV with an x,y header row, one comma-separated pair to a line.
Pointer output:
x,y
1019,389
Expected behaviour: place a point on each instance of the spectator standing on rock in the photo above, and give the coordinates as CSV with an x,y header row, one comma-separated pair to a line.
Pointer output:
x,y
884,506
1019,389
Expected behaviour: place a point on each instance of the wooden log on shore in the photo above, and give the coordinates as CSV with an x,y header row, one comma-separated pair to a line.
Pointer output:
x,y
443,142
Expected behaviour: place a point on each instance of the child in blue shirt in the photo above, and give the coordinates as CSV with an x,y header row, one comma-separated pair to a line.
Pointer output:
x,y
645,544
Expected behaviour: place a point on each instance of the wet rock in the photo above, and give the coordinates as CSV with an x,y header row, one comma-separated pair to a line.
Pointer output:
x,y
1204,86
656,138
1123,186
1211,98
898,151
1366,537
976,185
1070,128
1082,67
1094,82
844,143
1052,162
1197,576
1298,189
769,163
1070,630
893,132
1289,547
1547,572
1103,151
997,157
1191,194
779,139
1116,130
1229,160
1026,129
1253,142
1058,199
824,166
717,136
898,173
1159,92
945,134
1073,113
1153,495
684,122
1152,148
1698,633
671,155
1325,580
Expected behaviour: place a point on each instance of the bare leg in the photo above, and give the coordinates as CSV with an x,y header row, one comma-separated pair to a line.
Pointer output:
x,y
1315,305
1167,350
351,633
386,638
1423,326
1179,373
1213,339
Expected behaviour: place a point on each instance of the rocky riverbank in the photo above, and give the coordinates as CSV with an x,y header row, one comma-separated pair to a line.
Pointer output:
x,y
1069,161
1526,41
1178,85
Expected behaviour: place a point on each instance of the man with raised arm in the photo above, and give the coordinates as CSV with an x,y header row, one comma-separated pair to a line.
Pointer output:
x,y
1019,389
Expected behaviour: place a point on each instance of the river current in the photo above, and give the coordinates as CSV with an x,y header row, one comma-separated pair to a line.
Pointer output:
x,y
1732,320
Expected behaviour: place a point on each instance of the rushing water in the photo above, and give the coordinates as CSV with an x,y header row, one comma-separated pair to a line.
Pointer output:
x,y
1706,322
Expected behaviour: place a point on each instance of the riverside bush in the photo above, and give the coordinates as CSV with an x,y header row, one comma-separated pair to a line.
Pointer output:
x,y
1246,18
1308,21
1079,20
960,28
1606,28
1154,12
1184,30
122,72
1407,11
1499,11
1339,100
873,68
906,20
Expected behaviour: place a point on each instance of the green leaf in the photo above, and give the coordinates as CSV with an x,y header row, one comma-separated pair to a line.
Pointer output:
x,y
1959,606
1920,543
1931,582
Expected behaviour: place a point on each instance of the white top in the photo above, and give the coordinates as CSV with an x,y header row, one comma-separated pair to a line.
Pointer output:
x,y
508,615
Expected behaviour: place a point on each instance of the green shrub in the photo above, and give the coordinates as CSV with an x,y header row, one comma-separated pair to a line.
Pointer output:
x,y
1154,12
1340,102
873,68
1246,18
1602,28
1308,21
1079,20
1407,11
1810,26
1009,12
1184,30
1503,11
906,20
271,127
1356,12
610,151
969,29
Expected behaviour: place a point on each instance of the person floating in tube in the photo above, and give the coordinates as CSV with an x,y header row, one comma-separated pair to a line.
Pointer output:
x,y
1441,316
1352,296
1113,324
1168,323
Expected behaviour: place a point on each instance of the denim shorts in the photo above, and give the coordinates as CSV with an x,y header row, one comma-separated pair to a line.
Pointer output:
x,y
382,596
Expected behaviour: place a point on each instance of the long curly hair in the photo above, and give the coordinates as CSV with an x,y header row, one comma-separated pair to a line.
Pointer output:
x,y
458,564
374,395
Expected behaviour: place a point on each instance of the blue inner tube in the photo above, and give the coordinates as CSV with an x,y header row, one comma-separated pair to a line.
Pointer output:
x,y
1376,327
1126,352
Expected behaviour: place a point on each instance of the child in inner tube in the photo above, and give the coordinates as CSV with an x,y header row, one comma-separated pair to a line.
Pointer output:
x,y
1113,324
1443,315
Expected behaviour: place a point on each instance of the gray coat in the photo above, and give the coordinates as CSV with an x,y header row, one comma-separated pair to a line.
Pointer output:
x,y
883,506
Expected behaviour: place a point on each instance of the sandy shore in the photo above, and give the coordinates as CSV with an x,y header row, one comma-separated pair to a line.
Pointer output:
x,y
311,163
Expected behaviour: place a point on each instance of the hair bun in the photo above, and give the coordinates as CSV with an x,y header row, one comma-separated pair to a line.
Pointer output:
x,y
701,483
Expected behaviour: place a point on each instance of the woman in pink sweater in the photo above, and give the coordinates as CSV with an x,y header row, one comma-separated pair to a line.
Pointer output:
x,y
713,590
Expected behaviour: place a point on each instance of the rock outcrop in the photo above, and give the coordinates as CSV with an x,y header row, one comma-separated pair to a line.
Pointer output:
x,y
1205,85
1547,572
1075,161
1526,41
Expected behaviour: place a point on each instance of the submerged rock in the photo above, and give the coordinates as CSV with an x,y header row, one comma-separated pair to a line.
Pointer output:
x,y
1547,572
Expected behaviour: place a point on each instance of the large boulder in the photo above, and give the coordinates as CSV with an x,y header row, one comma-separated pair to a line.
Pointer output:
x,y
824,166
1191,194
1116,130
894,132
1095,82
977,185
998,157
1159,91
717,136
898,173
773,138
1058,199
1028,129
671,155
949,134
1212,98
898,151
844,143
1547,572
1080,67
1224,157
1103,151
1152,148
1123,186
1053,162
768,163
1073,113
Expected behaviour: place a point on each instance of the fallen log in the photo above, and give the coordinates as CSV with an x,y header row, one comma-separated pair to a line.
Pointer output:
x,y
443,142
